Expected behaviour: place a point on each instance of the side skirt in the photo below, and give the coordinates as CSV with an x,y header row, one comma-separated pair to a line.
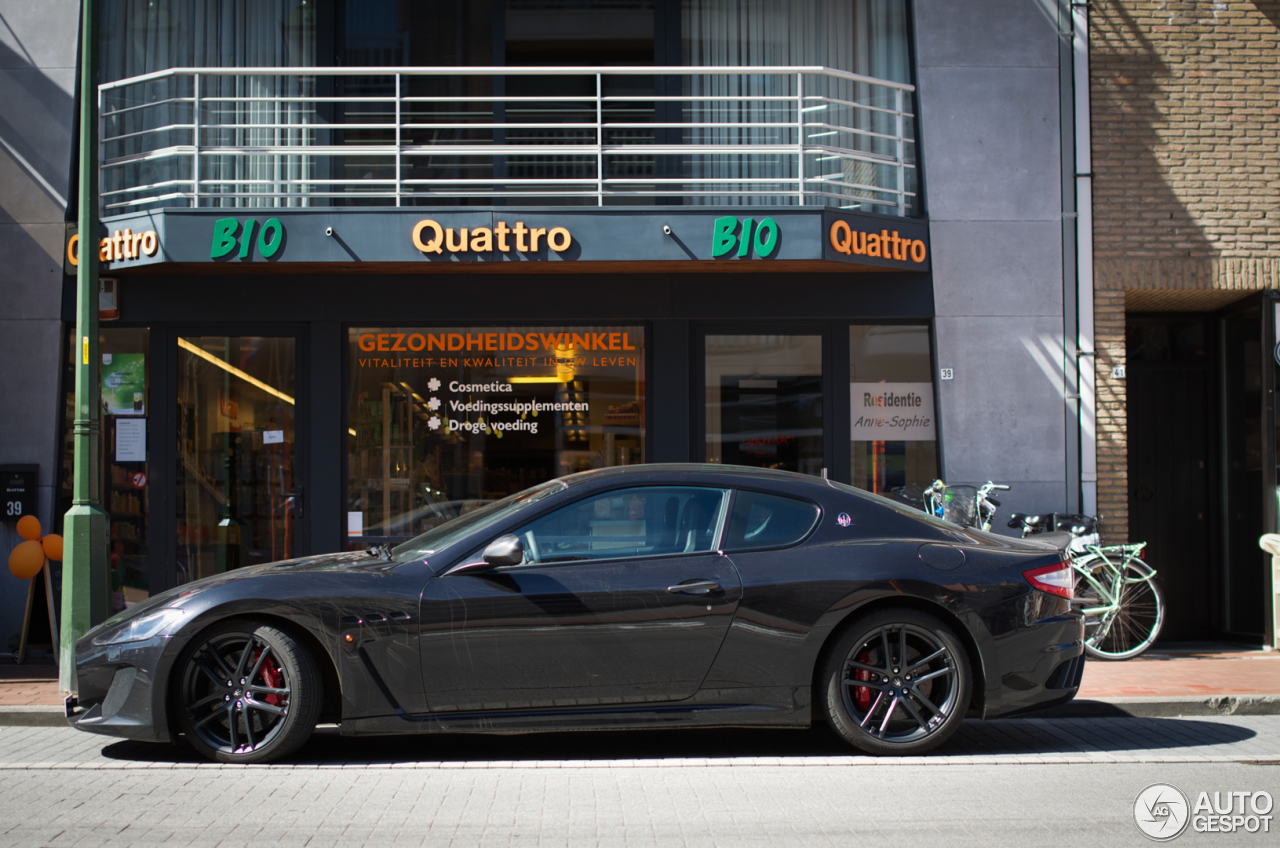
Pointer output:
x,y
561,720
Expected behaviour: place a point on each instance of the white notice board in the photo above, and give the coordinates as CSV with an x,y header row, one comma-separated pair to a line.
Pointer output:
x,y
891,412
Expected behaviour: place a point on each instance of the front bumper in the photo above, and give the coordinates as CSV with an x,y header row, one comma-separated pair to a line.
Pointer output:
x,y
120,690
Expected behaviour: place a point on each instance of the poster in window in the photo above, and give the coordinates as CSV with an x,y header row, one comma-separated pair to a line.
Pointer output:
x,y
124,383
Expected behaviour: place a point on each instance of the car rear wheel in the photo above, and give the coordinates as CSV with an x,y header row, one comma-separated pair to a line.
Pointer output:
x,y
246,692
896,682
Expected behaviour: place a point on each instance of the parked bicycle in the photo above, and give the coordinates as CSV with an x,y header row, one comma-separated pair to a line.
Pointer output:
x,y
1123,604
968,506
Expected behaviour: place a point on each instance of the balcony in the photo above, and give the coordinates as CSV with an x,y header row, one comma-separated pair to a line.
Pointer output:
x,y
545,136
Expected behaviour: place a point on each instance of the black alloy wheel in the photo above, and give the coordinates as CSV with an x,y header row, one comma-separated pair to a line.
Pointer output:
x,y
897,682
246,692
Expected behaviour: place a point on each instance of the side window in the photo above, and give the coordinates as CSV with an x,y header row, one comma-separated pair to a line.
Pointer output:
x,y
767,521
637,522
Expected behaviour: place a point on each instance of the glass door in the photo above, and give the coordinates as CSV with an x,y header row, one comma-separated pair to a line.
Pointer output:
x,y
764,400
238,498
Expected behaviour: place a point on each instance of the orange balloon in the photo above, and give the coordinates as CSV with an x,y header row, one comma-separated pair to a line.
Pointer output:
x,y
52,545
29,528
26,560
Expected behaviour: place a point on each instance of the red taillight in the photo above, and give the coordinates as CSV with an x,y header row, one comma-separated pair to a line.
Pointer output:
x,y
1057,579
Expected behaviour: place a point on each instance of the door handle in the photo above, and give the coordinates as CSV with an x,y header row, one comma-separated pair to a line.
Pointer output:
x,y
296,497
694,587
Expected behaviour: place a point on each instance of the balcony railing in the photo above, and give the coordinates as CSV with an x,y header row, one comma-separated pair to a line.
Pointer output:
x,y
378,136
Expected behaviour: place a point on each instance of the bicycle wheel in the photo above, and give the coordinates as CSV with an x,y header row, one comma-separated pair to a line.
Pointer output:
x,y
1131,629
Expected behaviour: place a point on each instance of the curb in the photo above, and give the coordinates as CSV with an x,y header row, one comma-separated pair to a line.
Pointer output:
x,y
34,715
1164,707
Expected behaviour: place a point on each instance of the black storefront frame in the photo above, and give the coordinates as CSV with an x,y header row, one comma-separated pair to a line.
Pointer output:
x,y
318,308
162,452
830,421
836,374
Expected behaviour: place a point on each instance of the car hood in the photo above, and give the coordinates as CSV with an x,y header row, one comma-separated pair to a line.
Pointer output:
x,y
347,561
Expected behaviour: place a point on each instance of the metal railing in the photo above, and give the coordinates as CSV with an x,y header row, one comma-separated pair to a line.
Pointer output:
x,y
378,136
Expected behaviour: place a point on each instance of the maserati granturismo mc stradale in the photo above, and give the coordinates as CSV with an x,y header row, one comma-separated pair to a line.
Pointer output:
x,y
635,597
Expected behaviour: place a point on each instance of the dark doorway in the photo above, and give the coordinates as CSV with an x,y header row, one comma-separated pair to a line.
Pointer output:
x,y
1171,464
1245,566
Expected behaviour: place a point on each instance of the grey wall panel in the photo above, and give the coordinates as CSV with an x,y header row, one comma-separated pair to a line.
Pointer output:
x,y
23,199
30,278
29,386
37,72
41,35
990,142
997,268
1001,416
36,106
985,33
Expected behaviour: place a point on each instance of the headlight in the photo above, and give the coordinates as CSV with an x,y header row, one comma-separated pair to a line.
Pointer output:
x,y
142,627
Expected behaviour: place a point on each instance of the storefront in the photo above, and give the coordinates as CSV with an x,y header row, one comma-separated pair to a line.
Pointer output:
x,y
326,379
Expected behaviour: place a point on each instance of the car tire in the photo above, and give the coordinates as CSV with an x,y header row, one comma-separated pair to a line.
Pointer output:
x,y
894,707
245,691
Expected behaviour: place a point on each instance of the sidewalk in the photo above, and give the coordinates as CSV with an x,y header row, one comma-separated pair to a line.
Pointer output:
x,y
1208,678
1182,678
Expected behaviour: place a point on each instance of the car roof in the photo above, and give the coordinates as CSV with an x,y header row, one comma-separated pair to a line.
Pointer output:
x,y
733,475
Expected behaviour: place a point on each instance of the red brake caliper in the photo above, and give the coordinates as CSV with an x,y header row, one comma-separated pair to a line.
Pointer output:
x,y
272,677
861,694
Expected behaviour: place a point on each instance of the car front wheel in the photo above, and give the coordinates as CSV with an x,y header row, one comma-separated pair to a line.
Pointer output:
x,y
246,692
896,682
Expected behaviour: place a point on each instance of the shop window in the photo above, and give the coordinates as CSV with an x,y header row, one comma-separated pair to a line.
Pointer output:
x,y
124,436
640,522
442,421
894,441
764,401
236,498
761,521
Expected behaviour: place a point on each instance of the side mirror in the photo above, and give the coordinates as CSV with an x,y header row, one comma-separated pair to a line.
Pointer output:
x,y
504,550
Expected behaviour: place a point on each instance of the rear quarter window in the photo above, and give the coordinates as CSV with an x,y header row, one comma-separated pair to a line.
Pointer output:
x,y
761,521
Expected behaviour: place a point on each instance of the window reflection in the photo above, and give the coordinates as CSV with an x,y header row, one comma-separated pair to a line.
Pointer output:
x,y
764,401
236,496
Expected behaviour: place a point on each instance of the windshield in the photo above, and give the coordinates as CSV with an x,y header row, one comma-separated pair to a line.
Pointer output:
x,y
438,538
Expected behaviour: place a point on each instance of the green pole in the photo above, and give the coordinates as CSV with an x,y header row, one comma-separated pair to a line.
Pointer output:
x,y
84,567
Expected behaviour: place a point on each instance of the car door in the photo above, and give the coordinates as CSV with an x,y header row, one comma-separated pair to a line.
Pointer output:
x,y
622,598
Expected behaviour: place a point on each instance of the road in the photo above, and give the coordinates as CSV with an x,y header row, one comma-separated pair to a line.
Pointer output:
x,y
1023,782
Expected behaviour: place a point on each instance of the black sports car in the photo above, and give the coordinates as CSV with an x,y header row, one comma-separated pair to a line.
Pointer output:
x,y
643,596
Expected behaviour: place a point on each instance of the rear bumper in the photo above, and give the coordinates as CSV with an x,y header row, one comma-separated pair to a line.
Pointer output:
x,y
1037,666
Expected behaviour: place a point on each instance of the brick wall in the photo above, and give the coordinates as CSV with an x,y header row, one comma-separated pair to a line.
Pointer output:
x,y
1113,439
1186,106
1186,159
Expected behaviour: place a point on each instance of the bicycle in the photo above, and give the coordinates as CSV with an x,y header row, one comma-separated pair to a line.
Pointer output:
x,y
967,506
1123,605
1115,589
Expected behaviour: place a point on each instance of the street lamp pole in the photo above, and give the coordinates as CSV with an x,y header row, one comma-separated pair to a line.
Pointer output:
x,y
84,567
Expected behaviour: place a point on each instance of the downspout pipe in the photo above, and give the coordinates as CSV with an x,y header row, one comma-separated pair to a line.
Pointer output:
x,y
1088,401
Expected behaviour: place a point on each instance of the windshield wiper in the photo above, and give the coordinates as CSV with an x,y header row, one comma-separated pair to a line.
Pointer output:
x,y
382,551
